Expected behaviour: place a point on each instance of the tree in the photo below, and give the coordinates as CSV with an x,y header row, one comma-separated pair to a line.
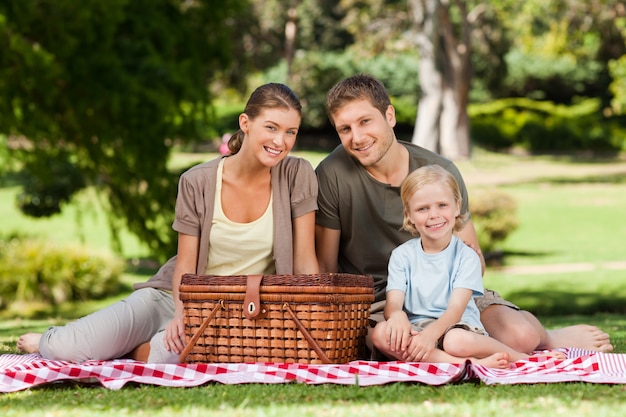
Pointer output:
x,y
440,33
561,48
442,123
102,91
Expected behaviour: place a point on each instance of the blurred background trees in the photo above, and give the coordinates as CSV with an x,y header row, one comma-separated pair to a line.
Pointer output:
x,y
98,93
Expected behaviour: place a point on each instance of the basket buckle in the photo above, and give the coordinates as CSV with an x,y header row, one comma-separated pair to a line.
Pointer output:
x,y
252,308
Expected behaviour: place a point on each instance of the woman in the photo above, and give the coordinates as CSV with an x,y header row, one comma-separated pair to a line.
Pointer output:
x,y
250,212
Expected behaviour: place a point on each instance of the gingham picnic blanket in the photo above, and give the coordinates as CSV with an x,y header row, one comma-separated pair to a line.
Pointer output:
x,y
19,372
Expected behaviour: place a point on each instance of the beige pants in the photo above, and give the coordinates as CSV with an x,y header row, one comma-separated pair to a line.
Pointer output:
x,y
115,330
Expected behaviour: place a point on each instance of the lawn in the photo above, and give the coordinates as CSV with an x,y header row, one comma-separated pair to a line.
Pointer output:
x,y
566,257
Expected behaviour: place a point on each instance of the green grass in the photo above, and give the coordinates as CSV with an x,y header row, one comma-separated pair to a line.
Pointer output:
x,y
575,399
570,213
576,220
82,222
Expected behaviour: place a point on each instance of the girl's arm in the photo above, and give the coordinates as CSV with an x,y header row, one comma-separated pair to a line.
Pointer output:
x,y
457,304
304,259
423,343
398,329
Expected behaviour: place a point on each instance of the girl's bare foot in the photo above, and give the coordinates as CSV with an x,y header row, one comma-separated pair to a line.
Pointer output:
x,y
498,360
582,336
29,342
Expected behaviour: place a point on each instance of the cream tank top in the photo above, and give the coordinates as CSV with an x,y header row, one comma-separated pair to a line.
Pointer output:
x,y
240,248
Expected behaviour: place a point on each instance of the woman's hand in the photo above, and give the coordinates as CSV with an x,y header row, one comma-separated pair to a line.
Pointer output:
x,y
174,337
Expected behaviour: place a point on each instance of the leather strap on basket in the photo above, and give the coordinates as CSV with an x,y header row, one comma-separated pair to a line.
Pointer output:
x,y
183,356
314,345
252,308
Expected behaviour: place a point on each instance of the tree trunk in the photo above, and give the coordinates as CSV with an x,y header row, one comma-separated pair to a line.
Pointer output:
x,y
442,123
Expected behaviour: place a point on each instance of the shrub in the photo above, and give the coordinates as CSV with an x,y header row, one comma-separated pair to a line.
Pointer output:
x,y
33,271
540,126
494,217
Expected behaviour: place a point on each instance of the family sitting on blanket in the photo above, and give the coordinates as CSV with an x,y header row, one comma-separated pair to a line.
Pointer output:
x,y
258,189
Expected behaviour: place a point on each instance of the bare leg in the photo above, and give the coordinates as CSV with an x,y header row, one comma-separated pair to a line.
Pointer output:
x,y
582,336
523,332
491,359
497,360
464,343
513,328
29,342
141,352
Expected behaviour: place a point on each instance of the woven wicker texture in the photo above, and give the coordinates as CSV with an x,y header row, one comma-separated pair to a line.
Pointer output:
x,y
331,308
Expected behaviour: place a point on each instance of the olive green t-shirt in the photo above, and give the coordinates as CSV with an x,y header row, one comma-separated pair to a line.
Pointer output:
x,y
368,213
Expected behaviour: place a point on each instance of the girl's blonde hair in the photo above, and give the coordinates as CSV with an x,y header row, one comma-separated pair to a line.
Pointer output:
x,y
267,96
426,175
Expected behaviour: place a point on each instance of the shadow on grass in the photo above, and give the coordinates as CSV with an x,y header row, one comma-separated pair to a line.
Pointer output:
x,y
556,303
614,178
498,257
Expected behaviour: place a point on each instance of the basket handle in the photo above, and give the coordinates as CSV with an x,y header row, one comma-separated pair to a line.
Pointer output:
x,y
314,345
183,356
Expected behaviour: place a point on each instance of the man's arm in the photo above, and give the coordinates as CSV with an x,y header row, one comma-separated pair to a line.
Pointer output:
x,y
469,236
327,248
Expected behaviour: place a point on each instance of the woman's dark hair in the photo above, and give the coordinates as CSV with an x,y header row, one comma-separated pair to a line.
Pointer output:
x,y
267,96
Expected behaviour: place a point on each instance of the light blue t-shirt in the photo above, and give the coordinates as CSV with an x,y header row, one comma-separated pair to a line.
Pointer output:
x,y
427,280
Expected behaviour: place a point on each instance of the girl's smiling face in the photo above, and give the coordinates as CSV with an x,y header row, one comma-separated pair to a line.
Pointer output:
x,y
433,210
271,135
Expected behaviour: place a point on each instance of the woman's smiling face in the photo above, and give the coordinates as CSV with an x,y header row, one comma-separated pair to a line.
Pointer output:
x,y
271,135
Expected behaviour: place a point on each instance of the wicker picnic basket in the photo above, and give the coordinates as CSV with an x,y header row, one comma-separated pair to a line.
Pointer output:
x,y
275,318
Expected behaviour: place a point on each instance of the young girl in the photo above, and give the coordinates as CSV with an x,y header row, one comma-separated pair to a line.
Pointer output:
x,y
252,212
430,314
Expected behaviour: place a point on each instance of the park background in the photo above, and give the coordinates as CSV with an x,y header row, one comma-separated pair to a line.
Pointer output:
x,y
104,104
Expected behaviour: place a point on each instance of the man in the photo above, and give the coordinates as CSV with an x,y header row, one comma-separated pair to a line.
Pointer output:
x,y
360,213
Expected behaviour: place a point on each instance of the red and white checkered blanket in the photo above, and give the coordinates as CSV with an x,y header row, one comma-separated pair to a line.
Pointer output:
x,y
19,372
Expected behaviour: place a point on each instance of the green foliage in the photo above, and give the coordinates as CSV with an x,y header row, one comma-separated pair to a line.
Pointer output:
x,y
559,49
113,85
5,159
45,192
315,73
618,86
556,78
540,126
34,271
494,217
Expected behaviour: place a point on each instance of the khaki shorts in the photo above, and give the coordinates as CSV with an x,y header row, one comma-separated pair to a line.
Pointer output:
x,y
490,298
377,316
420,325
